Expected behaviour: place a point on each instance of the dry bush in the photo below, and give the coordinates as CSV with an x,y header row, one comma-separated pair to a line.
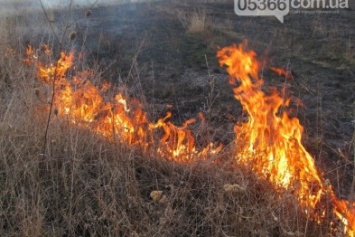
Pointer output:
x,y
197,21
194,22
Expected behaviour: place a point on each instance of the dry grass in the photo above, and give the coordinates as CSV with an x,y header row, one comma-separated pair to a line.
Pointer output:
x,y
87,186
197,22
194,22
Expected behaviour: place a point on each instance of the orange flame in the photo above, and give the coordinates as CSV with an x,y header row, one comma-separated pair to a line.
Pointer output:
x,y
30,55
82,103
270,142
282,72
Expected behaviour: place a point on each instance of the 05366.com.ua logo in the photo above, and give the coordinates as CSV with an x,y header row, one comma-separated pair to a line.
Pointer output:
x,y
280,8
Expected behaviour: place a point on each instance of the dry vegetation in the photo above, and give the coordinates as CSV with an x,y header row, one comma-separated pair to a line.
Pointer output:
x,y
86,186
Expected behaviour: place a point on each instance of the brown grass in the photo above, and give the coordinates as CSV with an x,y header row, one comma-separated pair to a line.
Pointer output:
x,y
90,187
87,186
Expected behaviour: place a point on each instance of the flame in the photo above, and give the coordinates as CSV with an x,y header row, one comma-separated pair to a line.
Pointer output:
x,y
30,55
77,99
270,141
282,72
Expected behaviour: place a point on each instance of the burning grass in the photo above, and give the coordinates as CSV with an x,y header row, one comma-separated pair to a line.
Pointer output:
x,y
108,168
88,185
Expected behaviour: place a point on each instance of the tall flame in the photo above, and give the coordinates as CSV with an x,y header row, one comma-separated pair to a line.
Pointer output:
x,y
270,141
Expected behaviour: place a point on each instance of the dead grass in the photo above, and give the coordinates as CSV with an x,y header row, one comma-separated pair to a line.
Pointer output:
x,y
90,187
87,186
194,22
197,22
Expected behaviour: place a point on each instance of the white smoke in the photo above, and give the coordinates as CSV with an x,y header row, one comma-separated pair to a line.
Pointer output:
x,y
26,4
9,7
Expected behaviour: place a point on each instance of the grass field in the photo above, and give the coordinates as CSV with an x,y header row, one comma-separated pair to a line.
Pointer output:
x,y
58,178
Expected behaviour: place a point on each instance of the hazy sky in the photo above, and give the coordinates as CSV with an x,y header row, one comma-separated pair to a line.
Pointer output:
x,y
9,3
11,6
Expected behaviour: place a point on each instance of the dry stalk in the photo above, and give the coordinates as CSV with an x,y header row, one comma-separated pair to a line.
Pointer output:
x,y
211,94
54,79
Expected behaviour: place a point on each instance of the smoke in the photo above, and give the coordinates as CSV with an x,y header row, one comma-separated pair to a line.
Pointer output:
x,y
22,4
9,7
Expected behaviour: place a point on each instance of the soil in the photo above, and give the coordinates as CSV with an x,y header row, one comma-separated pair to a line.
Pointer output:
x,y
148,46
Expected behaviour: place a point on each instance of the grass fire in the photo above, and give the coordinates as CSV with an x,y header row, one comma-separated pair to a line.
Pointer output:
x,y
270,142
175,118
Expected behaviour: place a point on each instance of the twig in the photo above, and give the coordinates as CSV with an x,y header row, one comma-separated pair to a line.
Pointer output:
x,y
53,84
50,110
49,22
55,76
212,84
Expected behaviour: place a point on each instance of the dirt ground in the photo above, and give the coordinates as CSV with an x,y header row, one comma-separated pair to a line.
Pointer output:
x,y
150,48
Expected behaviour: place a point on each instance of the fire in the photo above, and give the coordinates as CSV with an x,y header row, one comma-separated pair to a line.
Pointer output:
x,y
282,72
122,118
270,141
